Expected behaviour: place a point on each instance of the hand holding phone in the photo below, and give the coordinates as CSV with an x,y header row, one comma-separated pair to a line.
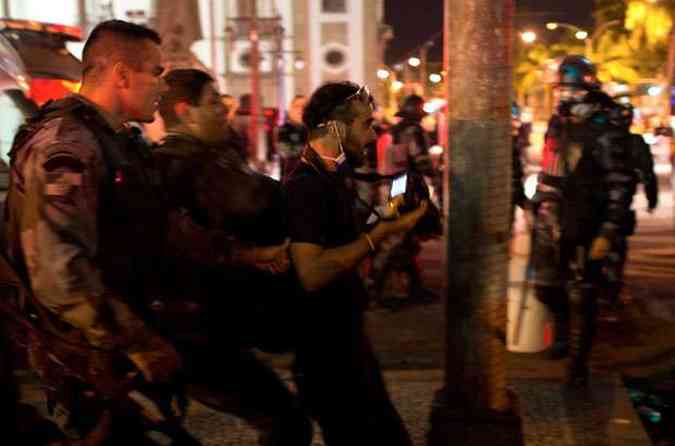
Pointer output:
x,y
398,186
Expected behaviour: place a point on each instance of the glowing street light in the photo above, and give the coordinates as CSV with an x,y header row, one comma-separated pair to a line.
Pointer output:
x,y
435,78
383,74
551,26
528,36
654,90
396,85
581,34
414,61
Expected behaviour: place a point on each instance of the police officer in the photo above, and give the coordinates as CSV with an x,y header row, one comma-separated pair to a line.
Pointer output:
x,y
582,206
237,270
84,229
407,151
641,163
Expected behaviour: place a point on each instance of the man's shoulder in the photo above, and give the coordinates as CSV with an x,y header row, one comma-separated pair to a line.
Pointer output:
x,y
305,179
179,146
65,135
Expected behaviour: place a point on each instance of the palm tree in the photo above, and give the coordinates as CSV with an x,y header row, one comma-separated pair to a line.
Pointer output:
x,y
614,55
649,22
533,66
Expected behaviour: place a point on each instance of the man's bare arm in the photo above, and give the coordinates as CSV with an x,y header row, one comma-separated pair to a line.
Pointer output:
x,y
317,266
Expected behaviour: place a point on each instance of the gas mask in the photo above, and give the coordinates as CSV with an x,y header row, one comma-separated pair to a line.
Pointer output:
x,y
573,103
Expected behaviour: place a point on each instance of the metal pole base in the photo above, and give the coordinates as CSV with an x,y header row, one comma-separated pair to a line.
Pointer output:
x,y
468,427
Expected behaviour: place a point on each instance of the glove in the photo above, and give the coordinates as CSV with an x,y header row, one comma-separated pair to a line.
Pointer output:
x,y
600,248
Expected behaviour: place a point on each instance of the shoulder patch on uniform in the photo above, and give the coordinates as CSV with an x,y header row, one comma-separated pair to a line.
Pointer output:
x,y
63,161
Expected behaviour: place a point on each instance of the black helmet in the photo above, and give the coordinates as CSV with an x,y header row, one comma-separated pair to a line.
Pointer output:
x,y
412,107
577,71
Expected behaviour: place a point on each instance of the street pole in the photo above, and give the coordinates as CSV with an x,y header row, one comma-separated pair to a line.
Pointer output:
x,y
473,407
255,82
212,30
82,16
279,72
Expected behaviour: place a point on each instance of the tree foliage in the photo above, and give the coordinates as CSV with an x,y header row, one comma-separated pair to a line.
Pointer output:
x,y
628,53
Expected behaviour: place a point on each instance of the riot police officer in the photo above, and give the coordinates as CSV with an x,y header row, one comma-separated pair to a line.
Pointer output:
x,y
641,163
582,206
395,269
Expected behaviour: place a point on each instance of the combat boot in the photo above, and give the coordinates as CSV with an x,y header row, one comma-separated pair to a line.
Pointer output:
x,y
583,312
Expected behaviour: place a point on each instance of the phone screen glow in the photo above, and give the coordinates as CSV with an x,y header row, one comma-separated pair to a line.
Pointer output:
x,y
398,185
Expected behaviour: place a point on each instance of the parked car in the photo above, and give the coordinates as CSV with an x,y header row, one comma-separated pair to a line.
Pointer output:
x,y
35,66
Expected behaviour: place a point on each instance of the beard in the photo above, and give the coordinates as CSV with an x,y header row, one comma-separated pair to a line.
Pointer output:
x,y
355,158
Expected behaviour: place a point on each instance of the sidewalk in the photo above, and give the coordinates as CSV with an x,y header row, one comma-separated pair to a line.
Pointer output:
x,y
410,345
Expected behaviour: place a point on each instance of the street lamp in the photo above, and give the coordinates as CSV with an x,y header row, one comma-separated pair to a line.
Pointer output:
x,y
383,74
435,78
582,34
414,61
528,36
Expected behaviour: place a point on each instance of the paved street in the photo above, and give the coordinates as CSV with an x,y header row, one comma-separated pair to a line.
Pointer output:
x,y
410,345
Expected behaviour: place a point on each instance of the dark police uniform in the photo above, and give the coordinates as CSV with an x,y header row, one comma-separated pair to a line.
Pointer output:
x,y
584,192
84,225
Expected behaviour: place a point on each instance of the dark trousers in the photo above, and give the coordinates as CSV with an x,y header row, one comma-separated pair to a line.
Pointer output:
x,y
340,381
222,364
573,301
236,382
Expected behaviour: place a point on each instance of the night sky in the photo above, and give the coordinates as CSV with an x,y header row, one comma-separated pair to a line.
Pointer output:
x,y
415,21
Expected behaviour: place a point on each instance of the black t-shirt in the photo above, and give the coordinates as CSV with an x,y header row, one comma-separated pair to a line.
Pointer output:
x,y
321,211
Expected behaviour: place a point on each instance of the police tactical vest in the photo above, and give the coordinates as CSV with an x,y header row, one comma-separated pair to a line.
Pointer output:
x,y
131,214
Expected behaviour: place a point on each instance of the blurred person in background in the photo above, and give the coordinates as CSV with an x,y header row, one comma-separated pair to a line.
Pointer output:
x,y
395,273
234,137
641,164
292,136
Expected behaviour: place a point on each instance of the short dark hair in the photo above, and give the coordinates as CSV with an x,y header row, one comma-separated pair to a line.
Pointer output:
x,y
328,103
113,41
185,85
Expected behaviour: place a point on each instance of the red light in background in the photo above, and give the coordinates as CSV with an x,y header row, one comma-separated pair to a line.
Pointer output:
x,y
42,90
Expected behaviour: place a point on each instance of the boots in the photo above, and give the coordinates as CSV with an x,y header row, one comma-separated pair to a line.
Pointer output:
x,y
555,300
583,312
